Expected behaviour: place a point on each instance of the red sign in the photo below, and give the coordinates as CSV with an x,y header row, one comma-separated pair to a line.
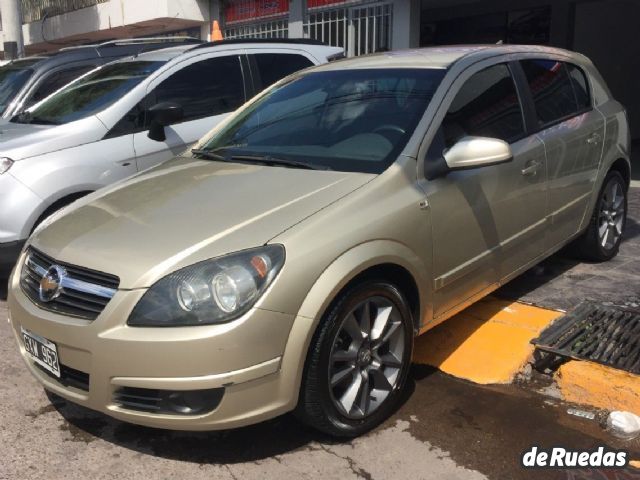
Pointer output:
x,y
240,10
322,3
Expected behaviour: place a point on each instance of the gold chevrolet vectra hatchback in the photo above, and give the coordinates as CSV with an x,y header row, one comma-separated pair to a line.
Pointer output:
x,y
288,261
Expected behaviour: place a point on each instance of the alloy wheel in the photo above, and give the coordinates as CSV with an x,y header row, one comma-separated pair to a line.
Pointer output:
x,y
611,215
366,357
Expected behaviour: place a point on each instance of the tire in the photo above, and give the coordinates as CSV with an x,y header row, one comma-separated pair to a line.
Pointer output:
x,y
380,365
592,245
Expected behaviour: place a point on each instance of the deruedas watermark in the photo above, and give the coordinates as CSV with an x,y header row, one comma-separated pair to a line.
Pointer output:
x,y
560,457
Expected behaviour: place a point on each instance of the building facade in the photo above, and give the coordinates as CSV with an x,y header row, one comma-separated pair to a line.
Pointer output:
x,y
604,30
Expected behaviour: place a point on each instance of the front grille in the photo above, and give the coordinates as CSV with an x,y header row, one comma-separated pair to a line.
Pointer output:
x,y
175,402
69,377
142,399
83,293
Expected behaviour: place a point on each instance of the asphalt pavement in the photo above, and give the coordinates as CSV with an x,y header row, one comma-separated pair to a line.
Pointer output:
x,y
446,428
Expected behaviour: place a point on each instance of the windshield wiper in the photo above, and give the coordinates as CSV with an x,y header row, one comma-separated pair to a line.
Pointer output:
x,y
275,161
28,118
263,159
209,154
42,121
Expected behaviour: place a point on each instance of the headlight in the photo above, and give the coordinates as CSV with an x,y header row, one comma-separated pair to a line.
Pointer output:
x,y
213,291
5,164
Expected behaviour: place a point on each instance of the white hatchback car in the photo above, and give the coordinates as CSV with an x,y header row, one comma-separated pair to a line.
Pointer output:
x,y
125,117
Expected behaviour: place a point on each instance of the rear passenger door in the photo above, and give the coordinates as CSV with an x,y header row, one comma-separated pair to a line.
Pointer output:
x,y
572,133
269,67
207,88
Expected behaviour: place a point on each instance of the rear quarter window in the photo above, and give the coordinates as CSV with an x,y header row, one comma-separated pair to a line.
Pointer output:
x,y
580,86
275,66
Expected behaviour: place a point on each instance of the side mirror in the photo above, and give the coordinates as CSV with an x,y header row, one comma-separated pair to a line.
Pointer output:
x,y
473,152
162,115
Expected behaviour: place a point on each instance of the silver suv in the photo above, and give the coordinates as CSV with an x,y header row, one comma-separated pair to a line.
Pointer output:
x,y
125,117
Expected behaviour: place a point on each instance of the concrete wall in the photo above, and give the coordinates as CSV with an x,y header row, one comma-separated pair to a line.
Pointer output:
x,y
406,24
116,18
604,30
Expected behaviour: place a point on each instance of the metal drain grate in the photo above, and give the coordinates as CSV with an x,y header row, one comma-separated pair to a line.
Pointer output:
x,y
599,333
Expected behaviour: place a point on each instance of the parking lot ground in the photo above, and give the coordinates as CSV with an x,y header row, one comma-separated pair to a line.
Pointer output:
x,y
447,428
563,281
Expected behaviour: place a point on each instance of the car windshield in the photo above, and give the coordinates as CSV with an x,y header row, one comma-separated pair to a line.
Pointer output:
x,y
90,94
349,120
12,77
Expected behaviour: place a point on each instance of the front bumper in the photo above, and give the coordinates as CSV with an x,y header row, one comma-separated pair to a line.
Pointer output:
x,y
242,357
20,209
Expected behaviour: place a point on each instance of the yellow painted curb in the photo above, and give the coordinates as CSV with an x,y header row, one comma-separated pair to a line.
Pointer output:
x,y
489,342
592,384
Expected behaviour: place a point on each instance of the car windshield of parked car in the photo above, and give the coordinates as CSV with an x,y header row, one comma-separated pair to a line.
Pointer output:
x,y
349,120
89,94
12,78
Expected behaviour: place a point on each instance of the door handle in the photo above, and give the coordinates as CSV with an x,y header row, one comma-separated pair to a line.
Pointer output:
x,y
594,139
531,169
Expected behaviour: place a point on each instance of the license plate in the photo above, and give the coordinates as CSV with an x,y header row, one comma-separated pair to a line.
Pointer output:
x,y
41,351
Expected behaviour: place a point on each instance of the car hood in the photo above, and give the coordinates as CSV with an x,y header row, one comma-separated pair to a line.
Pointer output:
x,y
19,141
185,211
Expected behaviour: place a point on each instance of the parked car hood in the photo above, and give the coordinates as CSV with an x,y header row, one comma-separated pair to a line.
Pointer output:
x,y
19,141
184,211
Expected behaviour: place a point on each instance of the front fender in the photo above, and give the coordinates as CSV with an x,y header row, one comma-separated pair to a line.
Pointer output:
x,y
329,284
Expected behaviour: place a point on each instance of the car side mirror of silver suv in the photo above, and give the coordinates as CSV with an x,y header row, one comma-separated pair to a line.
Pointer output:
x,y
474,152
162,115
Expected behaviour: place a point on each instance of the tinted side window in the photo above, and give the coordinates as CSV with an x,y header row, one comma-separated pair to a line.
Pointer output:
x,y
132,122
205,88
551,89
275,66
580,86
487,105
55,82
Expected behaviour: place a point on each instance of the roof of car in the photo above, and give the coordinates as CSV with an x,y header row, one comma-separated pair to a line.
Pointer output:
x,y
437,57
115,49
162,55
167,54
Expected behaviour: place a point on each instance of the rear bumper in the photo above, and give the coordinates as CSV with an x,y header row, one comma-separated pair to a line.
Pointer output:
x,y
9,253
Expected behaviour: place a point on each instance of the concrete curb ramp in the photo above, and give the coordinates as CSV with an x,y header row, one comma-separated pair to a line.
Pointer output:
x,y
489,343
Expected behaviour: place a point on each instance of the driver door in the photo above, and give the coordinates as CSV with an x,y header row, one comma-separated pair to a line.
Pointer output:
x,y
488,222
208,89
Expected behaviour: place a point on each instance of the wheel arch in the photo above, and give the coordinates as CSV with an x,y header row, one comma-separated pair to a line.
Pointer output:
x,y
56,205
375,258
622,166
379,258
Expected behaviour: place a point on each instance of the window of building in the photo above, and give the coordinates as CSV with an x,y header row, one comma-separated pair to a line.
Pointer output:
x,y
256,18
553,90
275,66
202,91
358,29
487,105
271,29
